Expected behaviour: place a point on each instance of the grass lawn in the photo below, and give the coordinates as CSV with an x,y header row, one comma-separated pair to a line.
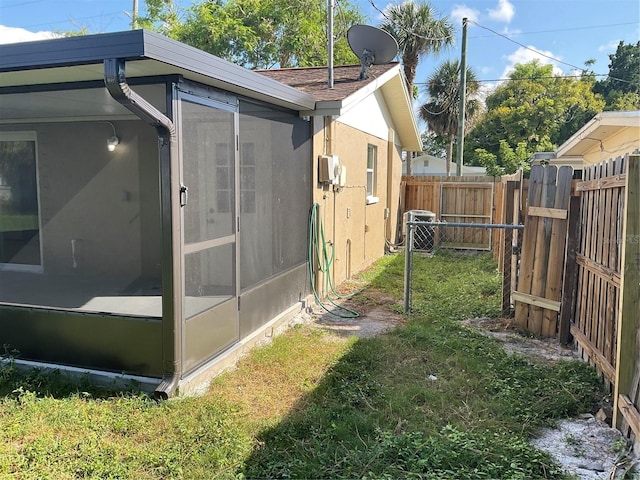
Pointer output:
x,y
430,400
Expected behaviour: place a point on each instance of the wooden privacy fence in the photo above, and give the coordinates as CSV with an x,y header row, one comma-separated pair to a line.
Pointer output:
x,y
604,310
537,297
599,264
594,234
464,199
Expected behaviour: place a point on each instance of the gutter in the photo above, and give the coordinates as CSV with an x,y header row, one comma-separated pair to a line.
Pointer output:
x,y
116,83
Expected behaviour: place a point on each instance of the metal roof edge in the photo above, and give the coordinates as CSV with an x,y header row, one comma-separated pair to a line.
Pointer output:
x,y
144,44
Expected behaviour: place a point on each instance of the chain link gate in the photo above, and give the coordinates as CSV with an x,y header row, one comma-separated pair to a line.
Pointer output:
x,y
426,237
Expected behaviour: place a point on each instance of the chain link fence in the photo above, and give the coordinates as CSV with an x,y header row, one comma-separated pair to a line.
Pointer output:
x,y
488,254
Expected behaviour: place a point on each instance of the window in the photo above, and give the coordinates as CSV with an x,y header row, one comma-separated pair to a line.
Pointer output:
x,y
372,155
19,211
425,163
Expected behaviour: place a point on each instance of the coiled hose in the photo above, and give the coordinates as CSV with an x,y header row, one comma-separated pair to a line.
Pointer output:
x,y
318,251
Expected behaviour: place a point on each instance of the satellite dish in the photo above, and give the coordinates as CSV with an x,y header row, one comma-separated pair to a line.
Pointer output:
x,y
372,45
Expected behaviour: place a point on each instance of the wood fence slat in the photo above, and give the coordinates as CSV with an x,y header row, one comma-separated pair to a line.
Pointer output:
x,y
596,357
570,279
548,212
615,181
540,302
506,244
630,413
600,271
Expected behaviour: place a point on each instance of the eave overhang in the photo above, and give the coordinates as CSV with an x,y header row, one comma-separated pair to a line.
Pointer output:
x,y
78,59
591,136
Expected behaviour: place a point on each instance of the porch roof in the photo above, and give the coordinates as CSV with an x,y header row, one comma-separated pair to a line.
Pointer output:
x,y
592,135
78,59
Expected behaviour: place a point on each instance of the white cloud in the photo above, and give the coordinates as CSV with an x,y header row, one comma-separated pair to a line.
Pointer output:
x,y
504,12
462,11
523,55
15,35
609,47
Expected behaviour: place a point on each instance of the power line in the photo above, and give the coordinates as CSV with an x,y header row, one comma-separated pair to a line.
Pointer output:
x,y
565,29
507,79
72,20
413,34
526,47
21,3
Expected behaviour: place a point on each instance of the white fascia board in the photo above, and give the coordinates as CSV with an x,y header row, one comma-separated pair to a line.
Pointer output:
x,y
324,109
623,119
355,98
401,108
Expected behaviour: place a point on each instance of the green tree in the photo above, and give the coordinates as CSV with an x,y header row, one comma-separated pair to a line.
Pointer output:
x,y
162,16
533,107
258,33
419,31
442,108
433,144
621,89
506,161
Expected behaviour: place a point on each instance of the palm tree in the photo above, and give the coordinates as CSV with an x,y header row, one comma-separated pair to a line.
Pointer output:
x,y
442,108
418,32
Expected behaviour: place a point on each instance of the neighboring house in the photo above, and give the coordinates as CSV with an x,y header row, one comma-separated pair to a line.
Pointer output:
x,y
366,124
433,166
607,135
158,219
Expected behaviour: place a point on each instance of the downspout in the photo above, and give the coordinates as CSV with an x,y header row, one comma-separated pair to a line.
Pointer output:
x,y
116,83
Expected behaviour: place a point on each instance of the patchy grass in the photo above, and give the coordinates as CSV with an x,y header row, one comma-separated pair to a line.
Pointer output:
x,y
430,400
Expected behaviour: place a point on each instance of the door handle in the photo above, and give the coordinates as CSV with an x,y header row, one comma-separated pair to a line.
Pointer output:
x,y
184,195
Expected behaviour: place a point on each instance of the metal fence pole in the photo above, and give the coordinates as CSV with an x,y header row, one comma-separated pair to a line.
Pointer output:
x,y
407,266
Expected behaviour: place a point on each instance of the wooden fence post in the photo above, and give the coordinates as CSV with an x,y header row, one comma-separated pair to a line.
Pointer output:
x,y
628,354
570,279
507,246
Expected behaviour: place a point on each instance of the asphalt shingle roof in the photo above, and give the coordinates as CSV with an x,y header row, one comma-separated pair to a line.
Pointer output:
x,y
314,80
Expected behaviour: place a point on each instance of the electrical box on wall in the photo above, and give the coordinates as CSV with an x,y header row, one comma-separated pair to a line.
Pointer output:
x,y
342,176
328,169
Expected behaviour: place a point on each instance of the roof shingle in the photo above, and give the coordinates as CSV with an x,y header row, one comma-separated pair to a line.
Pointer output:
x,y
314,80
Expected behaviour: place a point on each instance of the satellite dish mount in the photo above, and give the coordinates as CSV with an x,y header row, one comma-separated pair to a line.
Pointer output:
x,y
372,45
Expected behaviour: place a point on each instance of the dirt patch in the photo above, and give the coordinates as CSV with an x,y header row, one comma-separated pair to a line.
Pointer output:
x,y
586,447
376,321
537,349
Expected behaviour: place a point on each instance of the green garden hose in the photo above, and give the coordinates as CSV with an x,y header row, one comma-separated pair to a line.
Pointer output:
x,y
318,250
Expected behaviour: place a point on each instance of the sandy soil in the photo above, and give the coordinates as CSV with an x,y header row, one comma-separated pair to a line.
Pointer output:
x,y
588,448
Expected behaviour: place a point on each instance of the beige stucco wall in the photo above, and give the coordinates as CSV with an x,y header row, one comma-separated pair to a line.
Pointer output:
x,y
356,230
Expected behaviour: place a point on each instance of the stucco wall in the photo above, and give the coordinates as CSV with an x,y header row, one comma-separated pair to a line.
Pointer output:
x,y
107,203
357,230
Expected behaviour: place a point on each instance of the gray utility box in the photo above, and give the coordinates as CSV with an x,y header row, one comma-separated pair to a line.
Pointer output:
x,y
423,235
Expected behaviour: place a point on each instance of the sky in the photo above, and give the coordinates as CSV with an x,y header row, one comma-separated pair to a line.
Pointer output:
x,y
501,32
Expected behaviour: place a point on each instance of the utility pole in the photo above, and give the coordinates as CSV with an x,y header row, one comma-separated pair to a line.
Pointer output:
x,y
463,100
134,18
